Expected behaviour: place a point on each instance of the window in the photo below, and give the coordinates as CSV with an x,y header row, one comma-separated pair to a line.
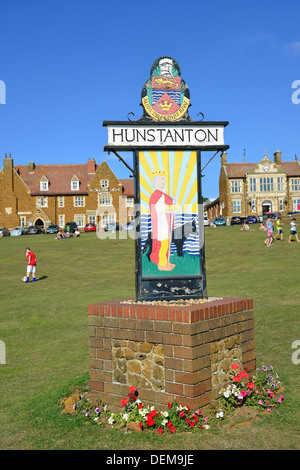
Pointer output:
x,y
105,200
280,184
92,219
61,220
266,184
295,184
23,221
42,201
108,219
44,185
130,202
235,186
253,206
252,185
79,219
104,184
61,201
75,185
280,204
296,205
236,206
79,201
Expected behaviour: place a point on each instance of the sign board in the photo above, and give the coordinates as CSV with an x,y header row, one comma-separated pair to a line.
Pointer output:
x,y
166,145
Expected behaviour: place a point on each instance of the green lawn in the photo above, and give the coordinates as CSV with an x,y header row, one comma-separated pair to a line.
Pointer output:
x,y
44,327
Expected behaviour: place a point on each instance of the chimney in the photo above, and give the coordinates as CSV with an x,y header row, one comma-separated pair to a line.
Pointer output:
x,y
91,165
223,159
8,166
277,157
31,167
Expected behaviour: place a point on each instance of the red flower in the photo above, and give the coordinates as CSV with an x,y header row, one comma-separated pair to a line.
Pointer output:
x,y
234,366
153,413
187,421
172,429
140,406
160,430
195,419
169,405
132,389
124,402
236,378
192,424
250,385
150,421
243,373
181,414
141,425
187,408
169,423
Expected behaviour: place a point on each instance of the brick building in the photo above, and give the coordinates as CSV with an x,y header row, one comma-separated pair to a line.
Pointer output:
x,y
56,194
256,188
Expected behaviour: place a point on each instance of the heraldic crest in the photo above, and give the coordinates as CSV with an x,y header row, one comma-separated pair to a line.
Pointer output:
x,y
165,96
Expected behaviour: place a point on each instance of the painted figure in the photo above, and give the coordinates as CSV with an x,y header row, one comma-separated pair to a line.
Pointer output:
x,y
162,219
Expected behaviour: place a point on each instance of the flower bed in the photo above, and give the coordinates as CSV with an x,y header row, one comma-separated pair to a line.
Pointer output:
x,y
261,391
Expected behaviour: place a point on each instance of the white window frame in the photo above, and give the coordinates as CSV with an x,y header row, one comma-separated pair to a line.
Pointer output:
x,y
108,219
253,205
74,185
280,183
104,184
295,204
105,200
295,184
92,219
44,185
252,184
42,201
23,221
61,220
266,184
236,206
280,204
61,201
80,220
236,186
79,201
129,202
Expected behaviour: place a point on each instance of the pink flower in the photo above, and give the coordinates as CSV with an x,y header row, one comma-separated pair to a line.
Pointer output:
x,y
260,402
198,412
243,393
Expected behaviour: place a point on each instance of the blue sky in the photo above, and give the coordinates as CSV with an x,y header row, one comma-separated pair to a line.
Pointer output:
x,y
69,65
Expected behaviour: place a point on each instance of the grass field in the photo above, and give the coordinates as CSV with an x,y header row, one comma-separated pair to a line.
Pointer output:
x,y
44,328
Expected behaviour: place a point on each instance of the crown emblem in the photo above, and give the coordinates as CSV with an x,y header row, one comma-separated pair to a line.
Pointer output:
x,y
166,105
159,173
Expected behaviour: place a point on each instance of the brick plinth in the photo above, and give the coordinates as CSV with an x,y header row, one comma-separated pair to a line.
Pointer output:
x,y
168,352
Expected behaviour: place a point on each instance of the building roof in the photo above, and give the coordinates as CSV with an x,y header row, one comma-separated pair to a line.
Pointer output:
x,y
60,176
239,170
128,187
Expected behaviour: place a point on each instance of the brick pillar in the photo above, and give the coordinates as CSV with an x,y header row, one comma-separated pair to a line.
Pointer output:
x,y
168,352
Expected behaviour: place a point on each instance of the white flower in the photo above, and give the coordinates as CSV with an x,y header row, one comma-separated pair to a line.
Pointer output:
x,y
220,414
125,416
164,422
111,420
165,414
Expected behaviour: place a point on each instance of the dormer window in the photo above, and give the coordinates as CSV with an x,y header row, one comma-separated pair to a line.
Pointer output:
x,y
44,183
74,183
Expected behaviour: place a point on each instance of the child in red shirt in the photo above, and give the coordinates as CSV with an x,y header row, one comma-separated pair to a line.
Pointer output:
x,y
31,264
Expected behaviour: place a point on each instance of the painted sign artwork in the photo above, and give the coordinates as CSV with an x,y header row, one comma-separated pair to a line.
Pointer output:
x,y
169,213
165,96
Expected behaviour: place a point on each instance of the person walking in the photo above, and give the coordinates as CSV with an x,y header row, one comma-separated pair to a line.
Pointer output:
x,y
31,264
269,228
293,231
279,225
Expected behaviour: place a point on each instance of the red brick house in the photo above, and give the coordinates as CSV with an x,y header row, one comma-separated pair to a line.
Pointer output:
x,y
56,194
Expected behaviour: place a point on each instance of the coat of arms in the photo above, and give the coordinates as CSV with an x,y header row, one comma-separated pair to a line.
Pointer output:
x,y
165,96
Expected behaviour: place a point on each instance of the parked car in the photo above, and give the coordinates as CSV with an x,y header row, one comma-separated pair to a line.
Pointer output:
x,y
251,220
52,229
205,221
129,226
4,232
290,214
219,221
112,226
235,221
90,228
70,227
17,231
34,230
